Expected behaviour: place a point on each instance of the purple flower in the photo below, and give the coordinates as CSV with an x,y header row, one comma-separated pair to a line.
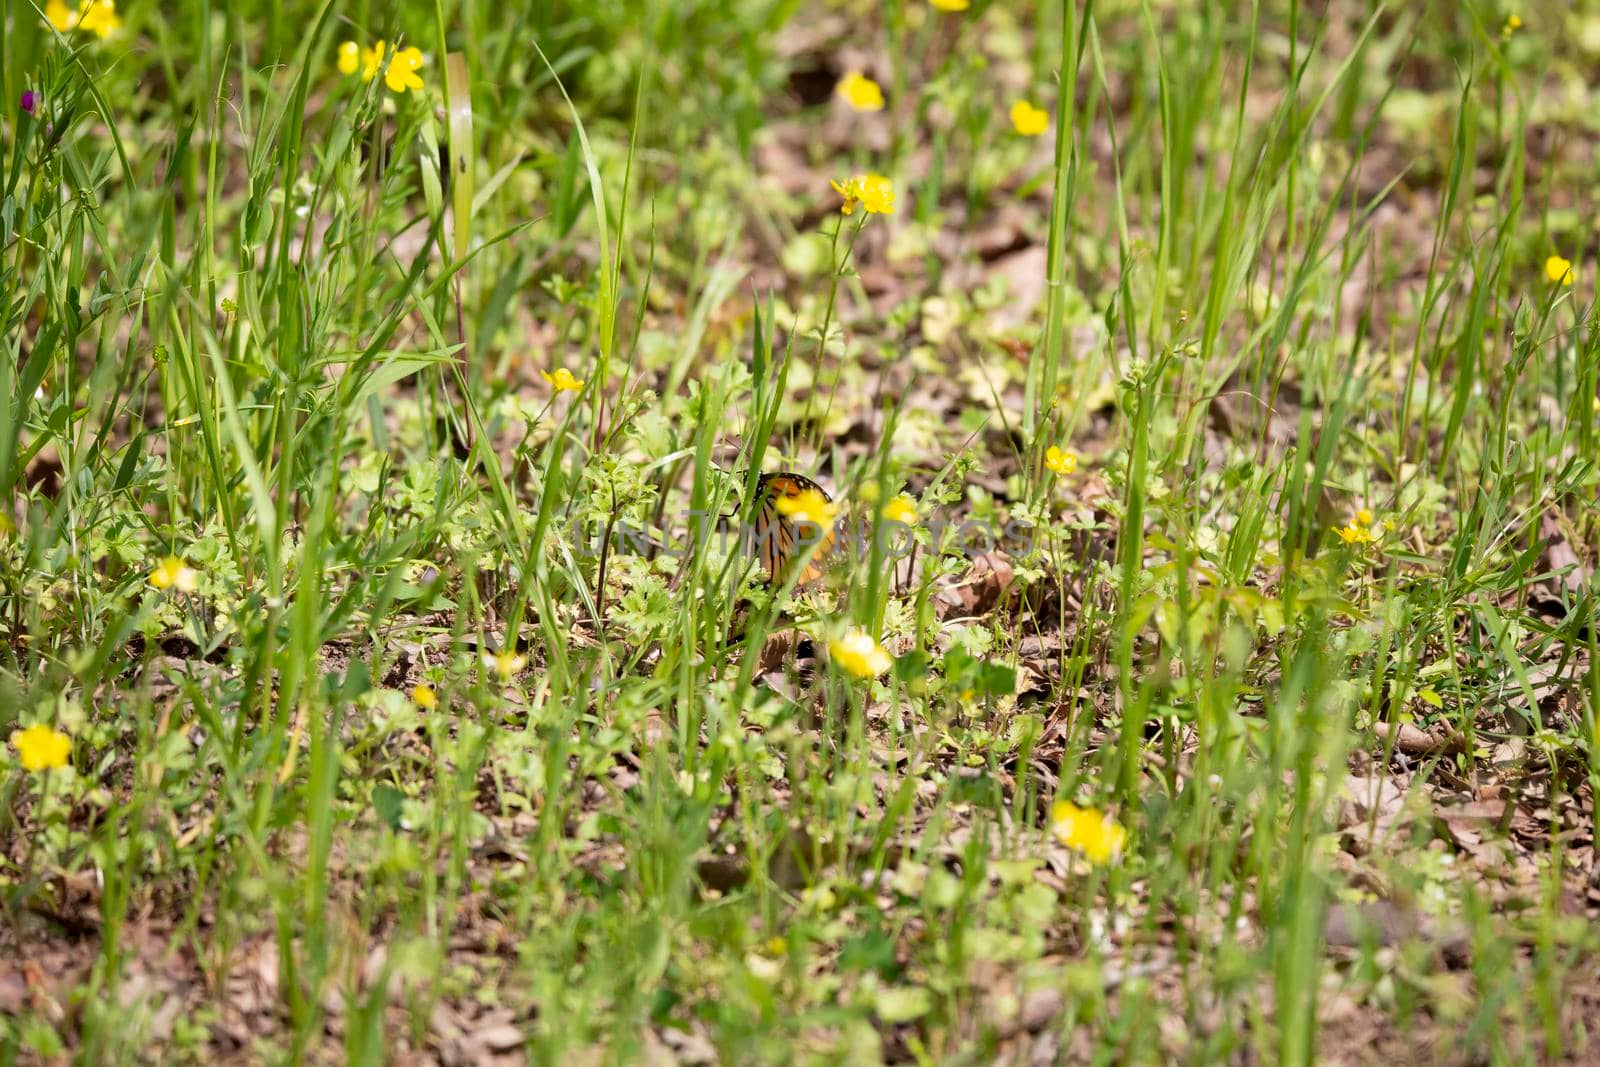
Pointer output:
x,y
30,101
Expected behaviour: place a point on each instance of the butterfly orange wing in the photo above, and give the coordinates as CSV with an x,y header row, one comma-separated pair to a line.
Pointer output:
x,y
777,538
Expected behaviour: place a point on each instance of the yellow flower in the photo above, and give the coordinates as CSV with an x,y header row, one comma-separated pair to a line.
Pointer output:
x,y
1353,534
1059,461
860,655
507,664
873,192
372,60
173,573
901,509
1028,120
860,92
809,506
849,191
98,17
59,15
41,747
1512,25
1363,517
877,195
424,697
563,380
402,73
1090,832
349,57
1558,270
951,5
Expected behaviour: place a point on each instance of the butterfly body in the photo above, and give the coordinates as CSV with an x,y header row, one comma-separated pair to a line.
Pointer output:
x,y
787,512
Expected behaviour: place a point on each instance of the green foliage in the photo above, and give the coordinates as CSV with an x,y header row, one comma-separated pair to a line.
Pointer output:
x,y
435,706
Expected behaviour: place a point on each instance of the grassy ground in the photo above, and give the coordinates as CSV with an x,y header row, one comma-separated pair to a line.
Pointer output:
x,y
1225,695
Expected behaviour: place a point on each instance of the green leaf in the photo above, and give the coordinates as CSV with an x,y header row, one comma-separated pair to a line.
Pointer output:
x,y
396,369
996,680
386,802
901,1005
872,951
911,667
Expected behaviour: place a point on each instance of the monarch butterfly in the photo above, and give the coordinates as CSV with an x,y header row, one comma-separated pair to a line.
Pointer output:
x,y
781,530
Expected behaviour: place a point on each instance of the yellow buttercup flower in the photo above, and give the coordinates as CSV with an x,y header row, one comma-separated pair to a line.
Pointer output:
x,y
1559,270
99,17
40,747
873,192
424,697
951,5
847,190
1060,462
402,73
877,195
372,60
1355,534
860,655
173,573
810,506
96,16
59,15
1363,517
1028,120
860,92
1090,832
349,57
507,664
1512,25
563,380
901,509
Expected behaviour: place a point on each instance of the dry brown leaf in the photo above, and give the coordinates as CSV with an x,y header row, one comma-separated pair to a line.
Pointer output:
x,y
1571,573
980,591
13,989
500,1037
1024,273
1415,741
778,649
